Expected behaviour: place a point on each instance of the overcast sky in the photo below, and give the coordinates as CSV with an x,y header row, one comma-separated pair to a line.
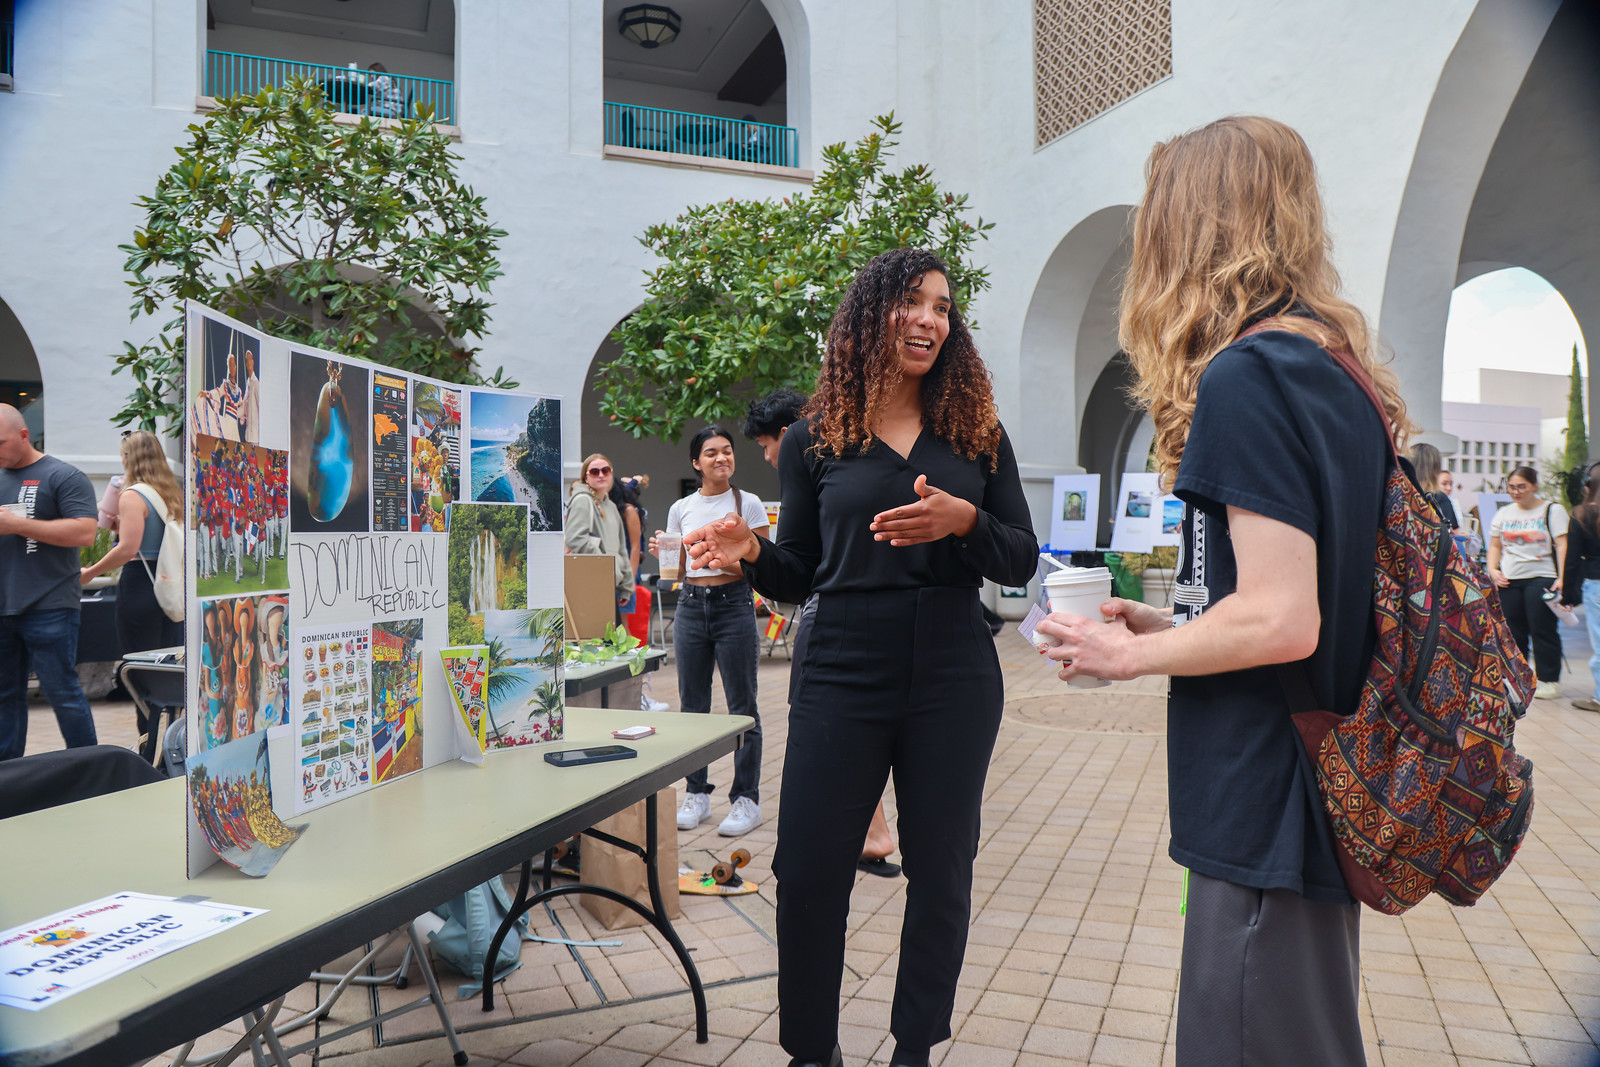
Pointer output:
x,y
1511,320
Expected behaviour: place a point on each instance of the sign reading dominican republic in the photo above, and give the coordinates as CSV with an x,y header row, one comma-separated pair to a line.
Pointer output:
x,y
52,958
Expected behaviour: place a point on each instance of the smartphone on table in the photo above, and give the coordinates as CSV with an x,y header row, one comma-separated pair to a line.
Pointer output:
x,y
577,757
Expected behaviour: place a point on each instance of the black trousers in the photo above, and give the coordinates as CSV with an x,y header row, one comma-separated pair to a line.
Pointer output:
x,y
904,682
1529,617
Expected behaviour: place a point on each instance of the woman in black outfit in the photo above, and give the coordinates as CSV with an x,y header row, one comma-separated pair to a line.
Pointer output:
x,y
900,675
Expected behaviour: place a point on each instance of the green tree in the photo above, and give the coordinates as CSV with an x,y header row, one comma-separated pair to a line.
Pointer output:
x,y
348,237
1577,433
741,301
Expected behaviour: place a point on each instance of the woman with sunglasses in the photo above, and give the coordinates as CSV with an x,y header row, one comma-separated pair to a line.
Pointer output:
x,y
1527,554
594,527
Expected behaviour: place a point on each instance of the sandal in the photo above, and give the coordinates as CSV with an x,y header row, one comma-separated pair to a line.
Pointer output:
x,y
880,867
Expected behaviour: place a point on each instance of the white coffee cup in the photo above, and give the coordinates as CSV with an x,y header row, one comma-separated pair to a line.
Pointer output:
x,y
1077,591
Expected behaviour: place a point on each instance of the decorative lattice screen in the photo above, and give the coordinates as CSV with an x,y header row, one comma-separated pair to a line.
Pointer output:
x,y
1090,55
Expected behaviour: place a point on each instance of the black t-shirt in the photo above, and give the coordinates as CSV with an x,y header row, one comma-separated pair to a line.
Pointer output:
x,y
1280,430
825,543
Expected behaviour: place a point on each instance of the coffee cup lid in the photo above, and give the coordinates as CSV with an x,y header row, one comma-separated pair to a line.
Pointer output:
x,y
1077,576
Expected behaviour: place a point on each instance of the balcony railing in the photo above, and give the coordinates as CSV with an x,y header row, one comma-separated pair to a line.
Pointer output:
x,y
7,36
632,126
353,92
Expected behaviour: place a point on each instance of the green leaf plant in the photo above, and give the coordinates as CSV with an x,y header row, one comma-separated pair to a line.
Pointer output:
x,y
742,298
353,236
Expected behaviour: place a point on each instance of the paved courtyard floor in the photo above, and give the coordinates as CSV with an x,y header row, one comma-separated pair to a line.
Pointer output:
x,y
1074,946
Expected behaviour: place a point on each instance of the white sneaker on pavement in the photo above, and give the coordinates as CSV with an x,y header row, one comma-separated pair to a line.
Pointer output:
x,y
695,809
649,703
745,816
1547,691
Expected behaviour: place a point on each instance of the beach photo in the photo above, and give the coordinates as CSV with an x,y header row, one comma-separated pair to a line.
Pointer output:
x,y
1171,515
1138,506
516,454
487,568
524,676
329,445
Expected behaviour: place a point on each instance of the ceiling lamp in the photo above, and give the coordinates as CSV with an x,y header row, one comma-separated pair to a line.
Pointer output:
x,y
649,25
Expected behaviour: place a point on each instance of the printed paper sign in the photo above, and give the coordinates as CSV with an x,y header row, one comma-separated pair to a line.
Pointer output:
x,y
467,669
1074,512
49,959
1136,522
333,723
389,453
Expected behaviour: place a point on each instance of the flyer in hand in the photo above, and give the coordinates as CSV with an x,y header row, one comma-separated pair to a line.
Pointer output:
x,y
43,961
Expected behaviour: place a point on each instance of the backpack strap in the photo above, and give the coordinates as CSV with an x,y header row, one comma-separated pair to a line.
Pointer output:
x,y
1551,537
1348,362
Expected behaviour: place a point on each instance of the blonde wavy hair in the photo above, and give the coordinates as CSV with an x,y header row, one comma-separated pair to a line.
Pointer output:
x,y
1230,230
143,461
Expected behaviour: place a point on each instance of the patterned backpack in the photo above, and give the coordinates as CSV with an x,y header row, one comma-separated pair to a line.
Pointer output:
x,y
1421,783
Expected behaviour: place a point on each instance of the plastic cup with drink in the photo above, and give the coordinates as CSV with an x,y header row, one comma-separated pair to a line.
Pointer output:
x,y
1077,591
669,550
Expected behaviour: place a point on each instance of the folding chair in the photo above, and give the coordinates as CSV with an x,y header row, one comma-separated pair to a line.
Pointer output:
x,y
155,681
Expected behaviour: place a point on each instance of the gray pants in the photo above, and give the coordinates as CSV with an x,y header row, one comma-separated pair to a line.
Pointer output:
x,y
1269,978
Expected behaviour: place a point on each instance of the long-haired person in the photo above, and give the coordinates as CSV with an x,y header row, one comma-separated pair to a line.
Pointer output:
x,y
147,481
1581,575
1527,550
1281,461
594,526
900,495
1431,473
715,626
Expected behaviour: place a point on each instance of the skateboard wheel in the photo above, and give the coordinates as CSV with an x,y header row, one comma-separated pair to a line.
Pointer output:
x,y
741,856
722,873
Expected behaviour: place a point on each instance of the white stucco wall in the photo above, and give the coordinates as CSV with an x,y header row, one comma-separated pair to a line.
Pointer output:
x,y
93,120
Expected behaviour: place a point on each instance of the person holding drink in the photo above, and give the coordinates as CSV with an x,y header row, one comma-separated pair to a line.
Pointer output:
x,y
900,673
715,626
1527,554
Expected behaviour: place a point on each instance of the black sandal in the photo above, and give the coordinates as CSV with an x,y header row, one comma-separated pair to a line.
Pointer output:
x,y
880,867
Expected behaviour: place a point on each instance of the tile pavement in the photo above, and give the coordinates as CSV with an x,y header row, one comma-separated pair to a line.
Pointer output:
x,y
1074,946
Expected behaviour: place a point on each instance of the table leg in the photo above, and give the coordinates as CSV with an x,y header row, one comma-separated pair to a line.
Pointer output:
x,y
438,1000
262,1021
519,907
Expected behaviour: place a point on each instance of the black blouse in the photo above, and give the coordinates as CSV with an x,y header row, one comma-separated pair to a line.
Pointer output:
x,y
825,541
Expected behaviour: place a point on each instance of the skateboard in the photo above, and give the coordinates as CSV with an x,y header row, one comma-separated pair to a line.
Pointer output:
x,y
722,880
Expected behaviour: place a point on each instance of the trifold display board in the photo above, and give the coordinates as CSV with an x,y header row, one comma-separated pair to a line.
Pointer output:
x,y
346,522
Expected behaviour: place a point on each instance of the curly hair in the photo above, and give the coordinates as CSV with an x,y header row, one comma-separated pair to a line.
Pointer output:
x,y
861,370
1230,230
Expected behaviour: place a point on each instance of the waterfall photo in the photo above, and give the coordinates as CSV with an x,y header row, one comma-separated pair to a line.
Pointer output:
x,y
488,565
328,446
516,454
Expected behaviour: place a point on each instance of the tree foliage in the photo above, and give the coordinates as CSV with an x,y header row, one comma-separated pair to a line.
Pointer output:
x,y
1577,433
741,302
352,237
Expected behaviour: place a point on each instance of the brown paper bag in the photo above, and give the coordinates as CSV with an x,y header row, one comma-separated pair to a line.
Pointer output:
x,y
606,865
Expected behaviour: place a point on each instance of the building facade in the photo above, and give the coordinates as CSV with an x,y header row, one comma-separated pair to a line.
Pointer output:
x,y
1448,140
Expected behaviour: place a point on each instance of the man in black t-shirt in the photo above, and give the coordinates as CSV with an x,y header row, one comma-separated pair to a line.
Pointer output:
x,y
47,513
1282,475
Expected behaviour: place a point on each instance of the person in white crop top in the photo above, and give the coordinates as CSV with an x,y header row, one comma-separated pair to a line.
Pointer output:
x,y
715,626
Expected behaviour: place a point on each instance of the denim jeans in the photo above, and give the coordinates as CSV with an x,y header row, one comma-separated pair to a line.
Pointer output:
x,y
48,642
716,626
1591,618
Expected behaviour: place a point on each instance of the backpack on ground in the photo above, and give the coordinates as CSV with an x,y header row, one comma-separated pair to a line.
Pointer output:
x,y
167,578
1425,792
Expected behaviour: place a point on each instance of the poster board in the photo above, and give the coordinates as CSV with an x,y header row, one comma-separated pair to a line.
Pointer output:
x,y
1074,512
1145,517
319,491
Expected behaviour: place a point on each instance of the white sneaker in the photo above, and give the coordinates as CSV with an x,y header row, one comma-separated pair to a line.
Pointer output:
x,y
647,703
1547,691
695,809
745,816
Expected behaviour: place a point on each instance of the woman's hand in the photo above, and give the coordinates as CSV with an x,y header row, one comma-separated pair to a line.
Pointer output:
x,y
934,516
1498,577
720,545
1090,647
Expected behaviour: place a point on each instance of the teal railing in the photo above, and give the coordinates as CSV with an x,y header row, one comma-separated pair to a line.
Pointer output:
x,y
7,34
632,126
353,92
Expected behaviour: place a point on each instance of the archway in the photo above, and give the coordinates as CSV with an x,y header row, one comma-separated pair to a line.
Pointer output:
x,y
666,462
1075,414
21,381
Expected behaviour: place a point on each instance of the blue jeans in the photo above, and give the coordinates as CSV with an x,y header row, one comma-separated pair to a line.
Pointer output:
x,y
46,641
716,626
1591,618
